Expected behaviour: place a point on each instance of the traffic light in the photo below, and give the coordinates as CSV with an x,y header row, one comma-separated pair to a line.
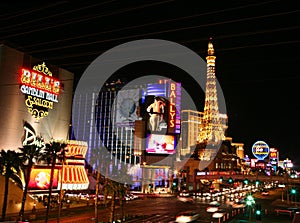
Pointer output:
x,y
230,180
221,179
246,181
257,182
258,212
250,200
175,182
293,191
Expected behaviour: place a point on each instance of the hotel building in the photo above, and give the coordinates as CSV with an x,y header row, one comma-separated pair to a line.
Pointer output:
x,y
36,101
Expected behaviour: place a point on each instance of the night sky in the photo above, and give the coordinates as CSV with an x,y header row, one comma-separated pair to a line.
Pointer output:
x,y
256,44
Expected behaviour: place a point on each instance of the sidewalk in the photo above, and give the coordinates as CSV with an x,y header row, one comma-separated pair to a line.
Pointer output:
x,y
265,219
268,217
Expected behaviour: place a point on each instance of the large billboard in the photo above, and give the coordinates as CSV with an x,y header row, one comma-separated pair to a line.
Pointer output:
x,y
162,104
40,178
126,107
160,144
156,107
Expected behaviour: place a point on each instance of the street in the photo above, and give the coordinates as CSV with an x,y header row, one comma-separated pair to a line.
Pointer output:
x,y
164,210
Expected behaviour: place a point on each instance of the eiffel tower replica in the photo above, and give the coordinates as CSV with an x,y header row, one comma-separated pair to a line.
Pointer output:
x,y
213,124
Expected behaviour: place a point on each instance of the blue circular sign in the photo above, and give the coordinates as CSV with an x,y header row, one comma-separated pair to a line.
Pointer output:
x,y
260,150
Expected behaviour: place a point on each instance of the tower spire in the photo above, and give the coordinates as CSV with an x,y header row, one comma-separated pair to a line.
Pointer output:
x,y
210,50
211,128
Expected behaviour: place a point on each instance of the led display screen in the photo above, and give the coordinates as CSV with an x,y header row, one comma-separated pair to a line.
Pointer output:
x,y
40,179
156,108
160,144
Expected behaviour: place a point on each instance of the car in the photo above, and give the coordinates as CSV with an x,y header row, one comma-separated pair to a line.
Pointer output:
x,y
127,198
212,208
134,196
265,193
238,205
185,199
186,216
161,190
219,214
216,203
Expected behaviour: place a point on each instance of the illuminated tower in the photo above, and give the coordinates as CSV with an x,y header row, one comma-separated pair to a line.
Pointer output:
x,y
212,126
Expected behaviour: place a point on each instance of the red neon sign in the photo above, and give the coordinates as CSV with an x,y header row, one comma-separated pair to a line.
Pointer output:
x,y
40,81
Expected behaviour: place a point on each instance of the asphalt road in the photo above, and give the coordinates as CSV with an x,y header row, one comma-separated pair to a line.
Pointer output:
x,y
164,210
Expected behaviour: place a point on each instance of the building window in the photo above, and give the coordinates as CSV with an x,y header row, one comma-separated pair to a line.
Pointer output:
x,y
222,165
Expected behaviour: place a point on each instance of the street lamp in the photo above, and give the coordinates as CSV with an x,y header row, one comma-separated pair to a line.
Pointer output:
x,y
293,191
257,182
250,201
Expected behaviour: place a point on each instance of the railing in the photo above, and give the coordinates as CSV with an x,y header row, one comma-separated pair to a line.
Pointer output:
x,y
212,175
278,211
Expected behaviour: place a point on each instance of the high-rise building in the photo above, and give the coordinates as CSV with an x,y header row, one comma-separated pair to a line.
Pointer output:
x,y
121,123
36,92
191,123
107,123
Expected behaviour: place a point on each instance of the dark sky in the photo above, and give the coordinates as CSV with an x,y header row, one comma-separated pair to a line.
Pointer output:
x,y
256,44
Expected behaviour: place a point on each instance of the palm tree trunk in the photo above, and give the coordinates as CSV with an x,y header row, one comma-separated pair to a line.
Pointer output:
x,y
112,208
21,214
5,198
122,208
60,192
50,188
96,196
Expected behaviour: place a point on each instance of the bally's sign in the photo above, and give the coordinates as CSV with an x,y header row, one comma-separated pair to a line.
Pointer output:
x,y
41,90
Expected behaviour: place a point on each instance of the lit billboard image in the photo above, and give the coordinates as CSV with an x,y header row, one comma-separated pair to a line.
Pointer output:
x,y
156,107
40,179
160,144
163,105
126,108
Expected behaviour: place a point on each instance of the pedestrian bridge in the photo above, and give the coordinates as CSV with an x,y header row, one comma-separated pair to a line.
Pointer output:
x,y
214,175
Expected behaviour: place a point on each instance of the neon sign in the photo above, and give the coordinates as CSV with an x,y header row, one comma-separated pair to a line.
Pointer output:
x,y
260,150
41,90
172,109
30,137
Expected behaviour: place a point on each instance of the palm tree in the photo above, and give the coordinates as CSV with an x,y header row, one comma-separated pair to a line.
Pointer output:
x,y
124,180
114,189
98,177
110,189
30,154
62,158
121,192
52,151
10,164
